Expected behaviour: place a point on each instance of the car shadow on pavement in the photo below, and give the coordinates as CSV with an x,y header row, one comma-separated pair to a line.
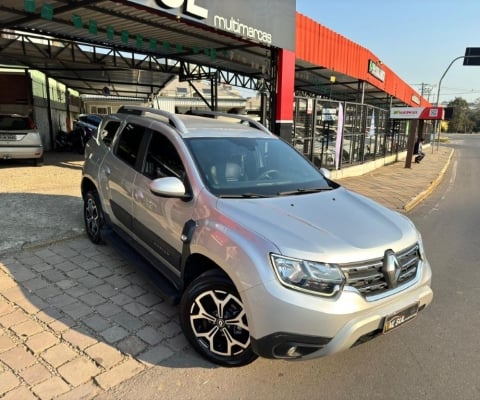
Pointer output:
x,y
15,163
64,159
60,159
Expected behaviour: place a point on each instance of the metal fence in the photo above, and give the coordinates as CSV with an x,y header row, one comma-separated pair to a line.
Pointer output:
x,y
364,132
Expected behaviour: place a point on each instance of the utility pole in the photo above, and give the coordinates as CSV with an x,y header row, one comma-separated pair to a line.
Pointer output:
x,y
425,89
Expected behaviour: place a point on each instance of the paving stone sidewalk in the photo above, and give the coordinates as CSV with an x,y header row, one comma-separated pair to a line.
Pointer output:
x,y
401,188
75,319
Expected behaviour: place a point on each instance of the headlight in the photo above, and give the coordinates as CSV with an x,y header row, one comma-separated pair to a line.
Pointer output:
x,y
308,276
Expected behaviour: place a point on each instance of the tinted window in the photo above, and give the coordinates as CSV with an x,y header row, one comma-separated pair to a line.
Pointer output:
x,y
13,123
129,143
162,159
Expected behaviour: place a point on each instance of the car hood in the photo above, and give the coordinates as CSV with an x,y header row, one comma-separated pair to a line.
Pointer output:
x,y
337,225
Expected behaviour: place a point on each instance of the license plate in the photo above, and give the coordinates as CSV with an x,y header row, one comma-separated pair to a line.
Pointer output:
x,y
400,317
8,137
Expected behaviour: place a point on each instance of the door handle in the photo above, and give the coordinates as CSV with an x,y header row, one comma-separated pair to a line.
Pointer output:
x,y
138,195
107,171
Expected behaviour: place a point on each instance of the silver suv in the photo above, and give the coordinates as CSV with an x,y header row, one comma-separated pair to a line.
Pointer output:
x,y
265,254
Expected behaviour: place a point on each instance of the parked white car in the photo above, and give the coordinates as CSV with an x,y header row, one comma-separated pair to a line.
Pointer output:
x,y
20,139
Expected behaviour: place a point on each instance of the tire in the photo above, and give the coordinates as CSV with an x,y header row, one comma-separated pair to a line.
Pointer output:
x,y
222,339
38,162
93,217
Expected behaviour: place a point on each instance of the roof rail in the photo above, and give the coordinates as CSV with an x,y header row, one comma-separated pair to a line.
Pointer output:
x,y
251,122
173,119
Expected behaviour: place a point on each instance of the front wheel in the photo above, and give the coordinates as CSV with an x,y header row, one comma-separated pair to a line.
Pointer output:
x,y
93,216
38,162
213,320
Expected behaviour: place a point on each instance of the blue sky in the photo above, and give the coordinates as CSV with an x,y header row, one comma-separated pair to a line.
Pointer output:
x,y
417,39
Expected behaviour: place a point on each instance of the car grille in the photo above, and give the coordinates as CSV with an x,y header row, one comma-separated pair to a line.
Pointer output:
x,y
369,278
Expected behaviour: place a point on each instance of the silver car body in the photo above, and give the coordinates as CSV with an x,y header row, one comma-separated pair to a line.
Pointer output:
x,y
19,139
241,234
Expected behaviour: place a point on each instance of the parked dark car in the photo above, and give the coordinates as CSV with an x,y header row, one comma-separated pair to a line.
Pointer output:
x,y
88,126
83,129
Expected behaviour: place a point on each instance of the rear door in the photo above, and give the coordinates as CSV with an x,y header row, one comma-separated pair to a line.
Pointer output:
x,y
118,172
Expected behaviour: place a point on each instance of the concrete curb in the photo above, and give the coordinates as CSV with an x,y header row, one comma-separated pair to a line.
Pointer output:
x,y
48,242
423,195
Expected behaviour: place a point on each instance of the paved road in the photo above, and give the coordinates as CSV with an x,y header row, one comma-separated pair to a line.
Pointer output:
x,y
76,320
40,204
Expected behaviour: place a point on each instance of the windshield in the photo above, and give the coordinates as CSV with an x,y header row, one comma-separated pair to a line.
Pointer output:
x,y
254,167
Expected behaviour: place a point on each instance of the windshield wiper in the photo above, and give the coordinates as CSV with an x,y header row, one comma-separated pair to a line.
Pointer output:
x,y
304,191
243,196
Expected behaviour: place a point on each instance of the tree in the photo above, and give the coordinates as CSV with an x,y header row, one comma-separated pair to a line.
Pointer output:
x,y
474,115
461,121
476,104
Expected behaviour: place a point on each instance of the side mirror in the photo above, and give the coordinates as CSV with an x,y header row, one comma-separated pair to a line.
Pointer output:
x,y
169,187
325,172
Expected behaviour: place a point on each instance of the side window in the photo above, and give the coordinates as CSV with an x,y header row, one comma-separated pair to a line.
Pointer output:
x,y
129,143
162,159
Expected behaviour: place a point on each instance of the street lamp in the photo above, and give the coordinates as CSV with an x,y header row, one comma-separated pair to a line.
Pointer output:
x,y
438,91
438,99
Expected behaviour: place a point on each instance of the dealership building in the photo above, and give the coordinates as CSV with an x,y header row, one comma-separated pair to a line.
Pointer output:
x,y
313,84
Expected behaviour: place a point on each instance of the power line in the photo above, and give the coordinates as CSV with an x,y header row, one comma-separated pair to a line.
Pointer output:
x,y
472,92
425,89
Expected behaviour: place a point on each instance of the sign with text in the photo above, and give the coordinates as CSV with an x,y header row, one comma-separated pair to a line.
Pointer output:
x,y
375,70
269,22
425,113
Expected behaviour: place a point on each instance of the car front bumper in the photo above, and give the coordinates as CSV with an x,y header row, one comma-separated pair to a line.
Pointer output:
x,y
293,325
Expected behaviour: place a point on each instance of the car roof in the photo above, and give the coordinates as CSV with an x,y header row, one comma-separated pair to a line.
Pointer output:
x,y
205,124
215,127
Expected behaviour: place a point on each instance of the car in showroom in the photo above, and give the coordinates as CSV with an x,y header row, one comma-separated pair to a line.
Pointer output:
x,y
20,139
265,255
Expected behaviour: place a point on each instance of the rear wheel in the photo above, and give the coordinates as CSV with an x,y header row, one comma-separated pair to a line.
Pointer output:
x,y
93,216
213,319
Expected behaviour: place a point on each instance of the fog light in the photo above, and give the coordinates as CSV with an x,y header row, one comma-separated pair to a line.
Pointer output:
x,y
292,352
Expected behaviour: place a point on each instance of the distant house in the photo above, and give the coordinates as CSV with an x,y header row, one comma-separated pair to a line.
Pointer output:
x,y
179,97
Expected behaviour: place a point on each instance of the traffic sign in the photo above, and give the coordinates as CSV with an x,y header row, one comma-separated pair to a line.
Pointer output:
x,y
472,56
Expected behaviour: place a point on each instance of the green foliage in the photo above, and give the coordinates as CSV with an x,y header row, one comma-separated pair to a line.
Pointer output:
x,y
464,120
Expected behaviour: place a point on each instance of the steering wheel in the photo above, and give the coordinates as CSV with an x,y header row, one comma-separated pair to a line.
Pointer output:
x,y
269,174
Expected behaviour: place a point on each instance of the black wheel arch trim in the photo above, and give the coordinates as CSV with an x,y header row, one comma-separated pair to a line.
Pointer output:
x,y
187,235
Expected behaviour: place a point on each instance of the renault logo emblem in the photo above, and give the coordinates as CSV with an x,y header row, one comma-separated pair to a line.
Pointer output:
x,y
391,268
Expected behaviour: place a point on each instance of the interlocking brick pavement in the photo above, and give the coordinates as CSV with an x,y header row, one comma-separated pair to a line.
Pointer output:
x,y
82,337
401,188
